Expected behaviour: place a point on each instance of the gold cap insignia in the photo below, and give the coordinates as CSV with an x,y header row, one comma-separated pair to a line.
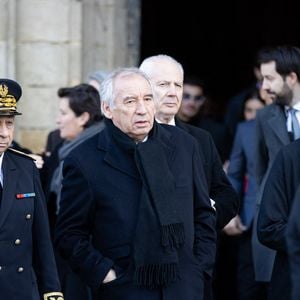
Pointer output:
x,y
54,296
7,102
3,90
10,93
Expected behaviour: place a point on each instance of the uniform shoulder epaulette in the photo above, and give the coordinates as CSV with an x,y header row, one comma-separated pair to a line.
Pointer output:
x,y
19,153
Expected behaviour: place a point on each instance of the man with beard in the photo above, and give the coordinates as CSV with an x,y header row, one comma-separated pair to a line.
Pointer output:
x,y
276,126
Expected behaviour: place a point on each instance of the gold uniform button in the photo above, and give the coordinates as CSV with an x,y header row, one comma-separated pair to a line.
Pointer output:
x,y
20,269
17,242
28,216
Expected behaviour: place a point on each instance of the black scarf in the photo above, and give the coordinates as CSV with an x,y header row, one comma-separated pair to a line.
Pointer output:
x,y
159,230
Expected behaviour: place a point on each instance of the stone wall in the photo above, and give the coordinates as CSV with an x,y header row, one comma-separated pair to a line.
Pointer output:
x,y
46,44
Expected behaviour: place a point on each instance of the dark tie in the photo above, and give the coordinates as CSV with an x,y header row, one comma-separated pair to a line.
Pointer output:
x,y
295,123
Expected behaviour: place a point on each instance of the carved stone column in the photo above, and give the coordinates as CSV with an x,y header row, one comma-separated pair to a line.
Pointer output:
x,y
47,44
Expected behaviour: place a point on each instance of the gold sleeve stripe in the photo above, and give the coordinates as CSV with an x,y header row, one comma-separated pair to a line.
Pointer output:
x,y
54,296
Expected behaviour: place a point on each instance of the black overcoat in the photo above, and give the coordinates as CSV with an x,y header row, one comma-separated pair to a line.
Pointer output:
x,y
220,189
275,208
99,207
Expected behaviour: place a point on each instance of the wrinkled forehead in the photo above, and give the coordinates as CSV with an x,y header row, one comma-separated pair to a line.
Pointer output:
x,y
167,71
132,84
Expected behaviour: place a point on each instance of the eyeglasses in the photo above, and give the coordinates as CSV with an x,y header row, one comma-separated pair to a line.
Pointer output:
x,y
187,96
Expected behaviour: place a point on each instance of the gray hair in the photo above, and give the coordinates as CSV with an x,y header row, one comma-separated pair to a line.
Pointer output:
x,y
147,64
107,86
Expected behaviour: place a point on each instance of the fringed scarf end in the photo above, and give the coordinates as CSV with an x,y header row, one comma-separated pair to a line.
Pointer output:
x,y
172,236
154,276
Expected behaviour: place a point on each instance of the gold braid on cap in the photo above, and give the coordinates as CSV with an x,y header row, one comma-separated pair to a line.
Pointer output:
x,y
54,296
7,102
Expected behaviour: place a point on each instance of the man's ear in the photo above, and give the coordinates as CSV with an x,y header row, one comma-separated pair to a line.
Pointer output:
x,y
292,78
106,110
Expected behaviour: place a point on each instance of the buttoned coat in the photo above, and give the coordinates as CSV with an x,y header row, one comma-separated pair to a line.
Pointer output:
x,y
99,209
27,265
270,136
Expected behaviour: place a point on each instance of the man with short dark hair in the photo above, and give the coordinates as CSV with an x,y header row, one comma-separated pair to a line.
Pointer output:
x,y
276,126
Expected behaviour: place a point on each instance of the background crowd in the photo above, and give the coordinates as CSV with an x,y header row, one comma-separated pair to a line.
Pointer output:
x,y
249,157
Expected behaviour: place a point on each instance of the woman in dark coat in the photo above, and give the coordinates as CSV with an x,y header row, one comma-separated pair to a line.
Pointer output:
x,y
79,118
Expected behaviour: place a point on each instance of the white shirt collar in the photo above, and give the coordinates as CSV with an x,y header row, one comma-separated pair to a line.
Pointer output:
x,y
296,106
1,173
172,122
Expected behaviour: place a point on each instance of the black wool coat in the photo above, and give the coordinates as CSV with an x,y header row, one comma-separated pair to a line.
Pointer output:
x,y
220,189
275,208
99,208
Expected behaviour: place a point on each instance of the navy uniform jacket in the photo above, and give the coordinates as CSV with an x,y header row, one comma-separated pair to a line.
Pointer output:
x,y
99,205
27,265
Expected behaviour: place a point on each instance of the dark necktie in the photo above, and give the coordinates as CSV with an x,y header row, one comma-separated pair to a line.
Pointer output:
x,y
295,123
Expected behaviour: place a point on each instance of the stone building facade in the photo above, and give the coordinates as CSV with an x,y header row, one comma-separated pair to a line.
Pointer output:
x,y
47,44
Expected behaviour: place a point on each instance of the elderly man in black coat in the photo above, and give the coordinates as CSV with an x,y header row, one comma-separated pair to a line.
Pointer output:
x,y
136,220
166,75
27,265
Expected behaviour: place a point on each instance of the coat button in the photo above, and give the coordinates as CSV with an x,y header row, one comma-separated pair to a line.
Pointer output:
x,y
17,242
20,269
28,217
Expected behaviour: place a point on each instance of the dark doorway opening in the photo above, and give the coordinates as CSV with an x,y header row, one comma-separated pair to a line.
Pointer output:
x,y
217,40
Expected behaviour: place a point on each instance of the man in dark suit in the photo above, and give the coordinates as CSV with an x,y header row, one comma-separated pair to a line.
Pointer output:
x,y
280,68
135,220
293,242
278,196
166,75
27,269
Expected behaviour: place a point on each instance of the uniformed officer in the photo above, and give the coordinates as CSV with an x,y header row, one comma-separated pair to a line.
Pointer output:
x,y
27,265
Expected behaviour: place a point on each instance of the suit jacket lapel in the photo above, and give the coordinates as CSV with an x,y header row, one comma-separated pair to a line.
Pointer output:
x,y
165,138
10,179
115,157
278,123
